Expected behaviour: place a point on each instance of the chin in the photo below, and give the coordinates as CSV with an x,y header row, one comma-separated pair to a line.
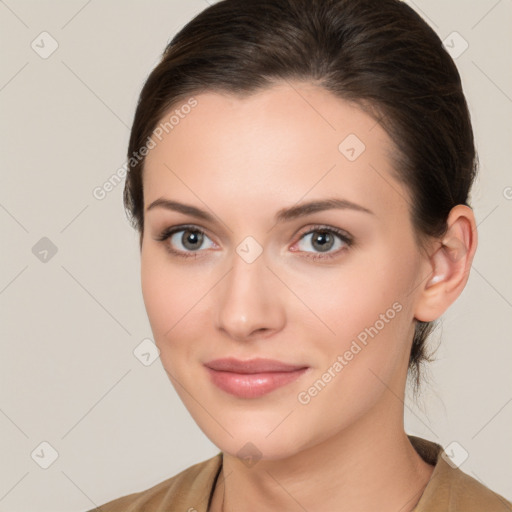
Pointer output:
x,y
261,433
257,446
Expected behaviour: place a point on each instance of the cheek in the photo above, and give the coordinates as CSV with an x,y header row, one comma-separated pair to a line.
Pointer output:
x,y
365,312
351,297
153,291
176,303
365,308
164,296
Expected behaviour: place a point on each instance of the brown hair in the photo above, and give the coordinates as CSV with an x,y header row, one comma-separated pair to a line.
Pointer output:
x,y
379,54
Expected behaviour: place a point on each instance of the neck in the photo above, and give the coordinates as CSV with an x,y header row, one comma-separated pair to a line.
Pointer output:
x,y
359,469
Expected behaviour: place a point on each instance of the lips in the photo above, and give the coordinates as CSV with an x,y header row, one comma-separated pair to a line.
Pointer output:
x,y
251,366
252,378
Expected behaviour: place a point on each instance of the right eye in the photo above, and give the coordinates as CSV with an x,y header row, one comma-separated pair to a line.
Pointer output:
x,y
184,241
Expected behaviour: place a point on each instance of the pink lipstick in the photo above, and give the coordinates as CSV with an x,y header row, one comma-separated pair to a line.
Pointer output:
x,y
252,378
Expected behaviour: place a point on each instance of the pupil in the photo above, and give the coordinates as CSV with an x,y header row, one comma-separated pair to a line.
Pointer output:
x,y
324,240
192,238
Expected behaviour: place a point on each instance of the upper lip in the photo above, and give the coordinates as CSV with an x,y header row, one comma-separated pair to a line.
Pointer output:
x,y
258,365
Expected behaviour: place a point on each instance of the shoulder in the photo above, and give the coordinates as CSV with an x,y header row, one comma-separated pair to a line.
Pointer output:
x,y
189,490
452,490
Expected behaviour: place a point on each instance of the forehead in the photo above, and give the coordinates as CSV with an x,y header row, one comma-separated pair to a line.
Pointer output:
x,y
281,143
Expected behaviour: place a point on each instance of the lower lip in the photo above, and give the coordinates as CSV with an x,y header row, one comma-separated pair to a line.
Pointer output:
x,y
253,385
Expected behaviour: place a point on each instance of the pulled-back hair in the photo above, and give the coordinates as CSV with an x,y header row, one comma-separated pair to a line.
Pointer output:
x,y
379,54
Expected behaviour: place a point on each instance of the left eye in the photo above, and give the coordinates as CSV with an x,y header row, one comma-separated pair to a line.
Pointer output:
x,y
324,240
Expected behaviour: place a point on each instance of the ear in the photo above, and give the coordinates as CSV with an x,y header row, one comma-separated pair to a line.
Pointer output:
x,y
448,265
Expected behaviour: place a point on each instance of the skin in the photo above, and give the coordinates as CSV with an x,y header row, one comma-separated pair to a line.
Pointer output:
x,y
242,159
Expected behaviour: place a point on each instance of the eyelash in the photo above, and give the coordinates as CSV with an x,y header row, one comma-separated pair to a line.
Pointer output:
x,y
342,235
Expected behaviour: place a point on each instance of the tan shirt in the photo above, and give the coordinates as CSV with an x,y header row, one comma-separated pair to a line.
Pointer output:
x,y
448,490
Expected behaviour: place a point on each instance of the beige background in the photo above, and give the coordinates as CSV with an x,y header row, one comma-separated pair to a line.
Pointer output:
x,y
69,325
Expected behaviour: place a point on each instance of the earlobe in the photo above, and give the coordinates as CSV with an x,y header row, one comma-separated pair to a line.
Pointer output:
x,y
449,265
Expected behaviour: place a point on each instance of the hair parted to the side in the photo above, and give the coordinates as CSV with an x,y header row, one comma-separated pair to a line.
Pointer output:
x,y
379,54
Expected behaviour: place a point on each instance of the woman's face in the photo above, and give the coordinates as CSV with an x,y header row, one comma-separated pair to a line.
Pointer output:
x,y
329,291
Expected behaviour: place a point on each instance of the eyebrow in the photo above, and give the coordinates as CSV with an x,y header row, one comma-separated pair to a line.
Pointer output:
x,y
283,215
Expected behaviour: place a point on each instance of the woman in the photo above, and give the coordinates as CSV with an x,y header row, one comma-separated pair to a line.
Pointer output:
x,y
299,176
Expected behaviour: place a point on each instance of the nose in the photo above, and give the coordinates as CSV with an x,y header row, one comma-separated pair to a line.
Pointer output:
x,y
248,301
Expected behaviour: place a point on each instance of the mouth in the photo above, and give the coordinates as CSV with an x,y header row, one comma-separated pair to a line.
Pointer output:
x,y
252,378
